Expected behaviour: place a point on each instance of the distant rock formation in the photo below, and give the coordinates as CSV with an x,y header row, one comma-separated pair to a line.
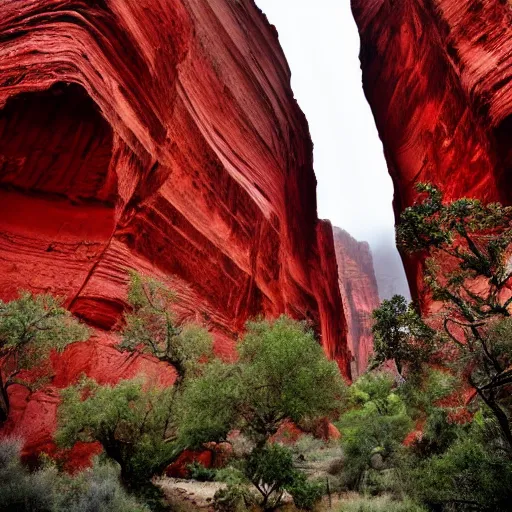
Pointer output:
x,y
359,293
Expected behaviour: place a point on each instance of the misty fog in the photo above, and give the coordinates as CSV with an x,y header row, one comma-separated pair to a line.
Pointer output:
x,y
355,192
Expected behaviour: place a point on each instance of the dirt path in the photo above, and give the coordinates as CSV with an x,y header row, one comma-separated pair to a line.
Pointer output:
x,y
198,495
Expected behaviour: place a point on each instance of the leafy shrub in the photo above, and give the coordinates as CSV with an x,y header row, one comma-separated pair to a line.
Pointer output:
x,y
475,473
205,409
306,494
271,471
47,490
234,498
375,482
439,433
201,473
230,475
306,444
380,504
376,427
312,449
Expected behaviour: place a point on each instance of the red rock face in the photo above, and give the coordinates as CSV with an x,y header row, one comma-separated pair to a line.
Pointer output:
x,y
359,293
437,75
161,136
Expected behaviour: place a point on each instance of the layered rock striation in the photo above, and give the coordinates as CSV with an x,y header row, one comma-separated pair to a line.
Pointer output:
x,y
359,293
438,77
160,136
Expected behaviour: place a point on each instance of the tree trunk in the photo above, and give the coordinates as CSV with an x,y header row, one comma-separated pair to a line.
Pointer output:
x,y
500,416
4,401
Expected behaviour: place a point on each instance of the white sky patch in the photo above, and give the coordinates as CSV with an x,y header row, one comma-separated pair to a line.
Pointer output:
x,y
355,192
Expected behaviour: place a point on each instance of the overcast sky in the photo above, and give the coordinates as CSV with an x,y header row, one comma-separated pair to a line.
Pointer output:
x,y
355,192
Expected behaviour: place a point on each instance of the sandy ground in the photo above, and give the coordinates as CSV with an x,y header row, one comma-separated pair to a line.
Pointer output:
x,y
198,494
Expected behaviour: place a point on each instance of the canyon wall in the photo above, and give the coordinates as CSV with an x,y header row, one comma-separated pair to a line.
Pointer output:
x,y
359,293
438,77
161,136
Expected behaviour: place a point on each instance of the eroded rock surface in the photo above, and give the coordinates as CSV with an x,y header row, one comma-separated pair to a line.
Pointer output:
x,y
161,136
437,75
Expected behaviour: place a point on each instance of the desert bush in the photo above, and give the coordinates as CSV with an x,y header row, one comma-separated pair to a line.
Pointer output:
x,y
423,390
474,473
375,482
271,471
21,491
233,498
374,428
241,445
379,504
439,433
129,421
307,444
306,494
93,490
48,490
231,475
201,473
311,449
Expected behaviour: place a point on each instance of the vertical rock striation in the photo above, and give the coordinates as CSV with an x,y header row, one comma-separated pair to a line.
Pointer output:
x,y
359,293
161,136
438,77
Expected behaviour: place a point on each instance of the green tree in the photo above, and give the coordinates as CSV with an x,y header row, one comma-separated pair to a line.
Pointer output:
x,y
400,334
133,423
206,409
282,373
151,327
137,426
467,245
30,328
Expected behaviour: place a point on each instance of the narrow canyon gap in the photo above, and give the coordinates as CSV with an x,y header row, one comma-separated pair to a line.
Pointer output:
x,y
354,191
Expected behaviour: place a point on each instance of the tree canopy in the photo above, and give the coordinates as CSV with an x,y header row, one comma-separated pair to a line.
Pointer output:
x,y
282,373
400,334
467,248
133,423
152,327
30,328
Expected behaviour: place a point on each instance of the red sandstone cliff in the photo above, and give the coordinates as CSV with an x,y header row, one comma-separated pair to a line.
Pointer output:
x,y
438,77
159,135
359,293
